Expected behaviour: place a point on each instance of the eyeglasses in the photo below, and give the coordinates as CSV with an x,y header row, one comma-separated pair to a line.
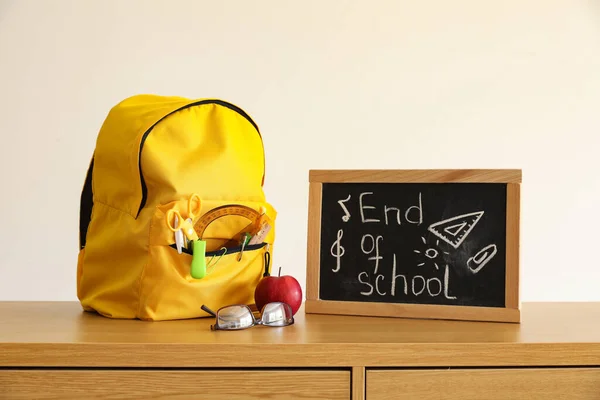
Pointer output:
x,y
239,316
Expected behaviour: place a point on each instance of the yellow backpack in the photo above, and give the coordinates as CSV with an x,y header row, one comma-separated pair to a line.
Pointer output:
x,y
173,215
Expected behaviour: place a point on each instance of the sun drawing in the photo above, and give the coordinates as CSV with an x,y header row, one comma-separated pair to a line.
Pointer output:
x,y
431,253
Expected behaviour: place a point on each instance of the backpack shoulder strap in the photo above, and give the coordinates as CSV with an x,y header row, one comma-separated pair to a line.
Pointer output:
x,y
85,208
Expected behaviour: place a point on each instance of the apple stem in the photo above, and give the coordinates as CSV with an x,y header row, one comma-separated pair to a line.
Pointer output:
x,y
279,274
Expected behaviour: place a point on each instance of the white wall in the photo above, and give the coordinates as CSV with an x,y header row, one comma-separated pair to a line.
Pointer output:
x,y
332,84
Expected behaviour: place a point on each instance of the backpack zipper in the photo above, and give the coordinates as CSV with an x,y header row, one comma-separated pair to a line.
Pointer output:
x,y
197,103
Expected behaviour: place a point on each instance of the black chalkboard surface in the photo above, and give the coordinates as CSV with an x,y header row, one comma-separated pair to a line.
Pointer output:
x,y
414,243
405,241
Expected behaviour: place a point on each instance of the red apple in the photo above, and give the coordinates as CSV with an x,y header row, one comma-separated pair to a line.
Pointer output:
x,y
285,289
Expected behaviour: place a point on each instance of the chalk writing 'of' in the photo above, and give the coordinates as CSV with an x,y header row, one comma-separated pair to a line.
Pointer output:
x,y
416,208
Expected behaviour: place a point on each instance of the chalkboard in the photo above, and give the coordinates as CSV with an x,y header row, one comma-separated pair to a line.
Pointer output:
x,y
443,242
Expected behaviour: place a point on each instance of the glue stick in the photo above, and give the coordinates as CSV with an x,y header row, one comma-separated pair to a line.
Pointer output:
x,y
198,268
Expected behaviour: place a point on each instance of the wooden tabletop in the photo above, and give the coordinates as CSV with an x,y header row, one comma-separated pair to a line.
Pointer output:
x,y
61,334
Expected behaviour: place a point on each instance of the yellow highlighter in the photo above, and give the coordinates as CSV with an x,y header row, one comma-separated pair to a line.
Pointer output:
x,y
198,268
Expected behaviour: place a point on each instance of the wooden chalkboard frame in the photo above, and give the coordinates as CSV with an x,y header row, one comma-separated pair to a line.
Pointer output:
x,y
510,313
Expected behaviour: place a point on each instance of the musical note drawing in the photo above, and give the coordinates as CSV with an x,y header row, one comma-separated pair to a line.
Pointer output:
x,y
346,217
339,250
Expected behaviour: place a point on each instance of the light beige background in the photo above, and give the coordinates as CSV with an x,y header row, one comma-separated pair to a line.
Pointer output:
x,y
332,84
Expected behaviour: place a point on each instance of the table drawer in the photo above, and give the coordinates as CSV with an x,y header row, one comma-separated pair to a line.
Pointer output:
x,y
489,384
174,384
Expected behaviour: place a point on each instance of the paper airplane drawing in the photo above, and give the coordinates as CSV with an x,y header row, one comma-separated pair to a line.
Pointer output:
x,y
456,229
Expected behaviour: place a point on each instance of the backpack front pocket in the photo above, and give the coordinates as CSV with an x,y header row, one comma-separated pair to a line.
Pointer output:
x,y
169,290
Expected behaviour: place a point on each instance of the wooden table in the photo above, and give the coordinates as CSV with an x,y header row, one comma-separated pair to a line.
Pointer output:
x,y
56,351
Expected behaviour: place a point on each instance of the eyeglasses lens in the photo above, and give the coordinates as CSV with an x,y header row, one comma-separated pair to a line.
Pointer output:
x,y
277,314
235,317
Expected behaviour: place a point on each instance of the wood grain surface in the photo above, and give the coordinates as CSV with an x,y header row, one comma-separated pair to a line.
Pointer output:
x,y
358,383
61,334
417,175
405,310
513,245
313,253
488,384
180,385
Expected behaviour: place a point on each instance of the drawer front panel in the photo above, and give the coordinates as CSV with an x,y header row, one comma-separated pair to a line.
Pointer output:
x,y
489,384
173,384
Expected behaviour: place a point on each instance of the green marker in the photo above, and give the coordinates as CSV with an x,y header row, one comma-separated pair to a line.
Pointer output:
x,y
198,269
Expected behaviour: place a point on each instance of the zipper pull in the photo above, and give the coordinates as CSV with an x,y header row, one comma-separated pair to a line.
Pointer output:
x,y
267,263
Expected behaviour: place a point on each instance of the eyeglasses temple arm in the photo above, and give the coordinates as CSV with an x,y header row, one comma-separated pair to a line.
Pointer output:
x,y
208,310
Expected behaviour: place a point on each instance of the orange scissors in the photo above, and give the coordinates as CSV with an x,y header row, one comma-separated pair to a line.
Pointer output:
x,y
187,224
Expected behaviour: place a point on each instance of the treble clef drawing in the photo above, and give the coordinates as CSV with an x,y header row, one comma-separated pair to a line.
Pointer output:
x,y
339,250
